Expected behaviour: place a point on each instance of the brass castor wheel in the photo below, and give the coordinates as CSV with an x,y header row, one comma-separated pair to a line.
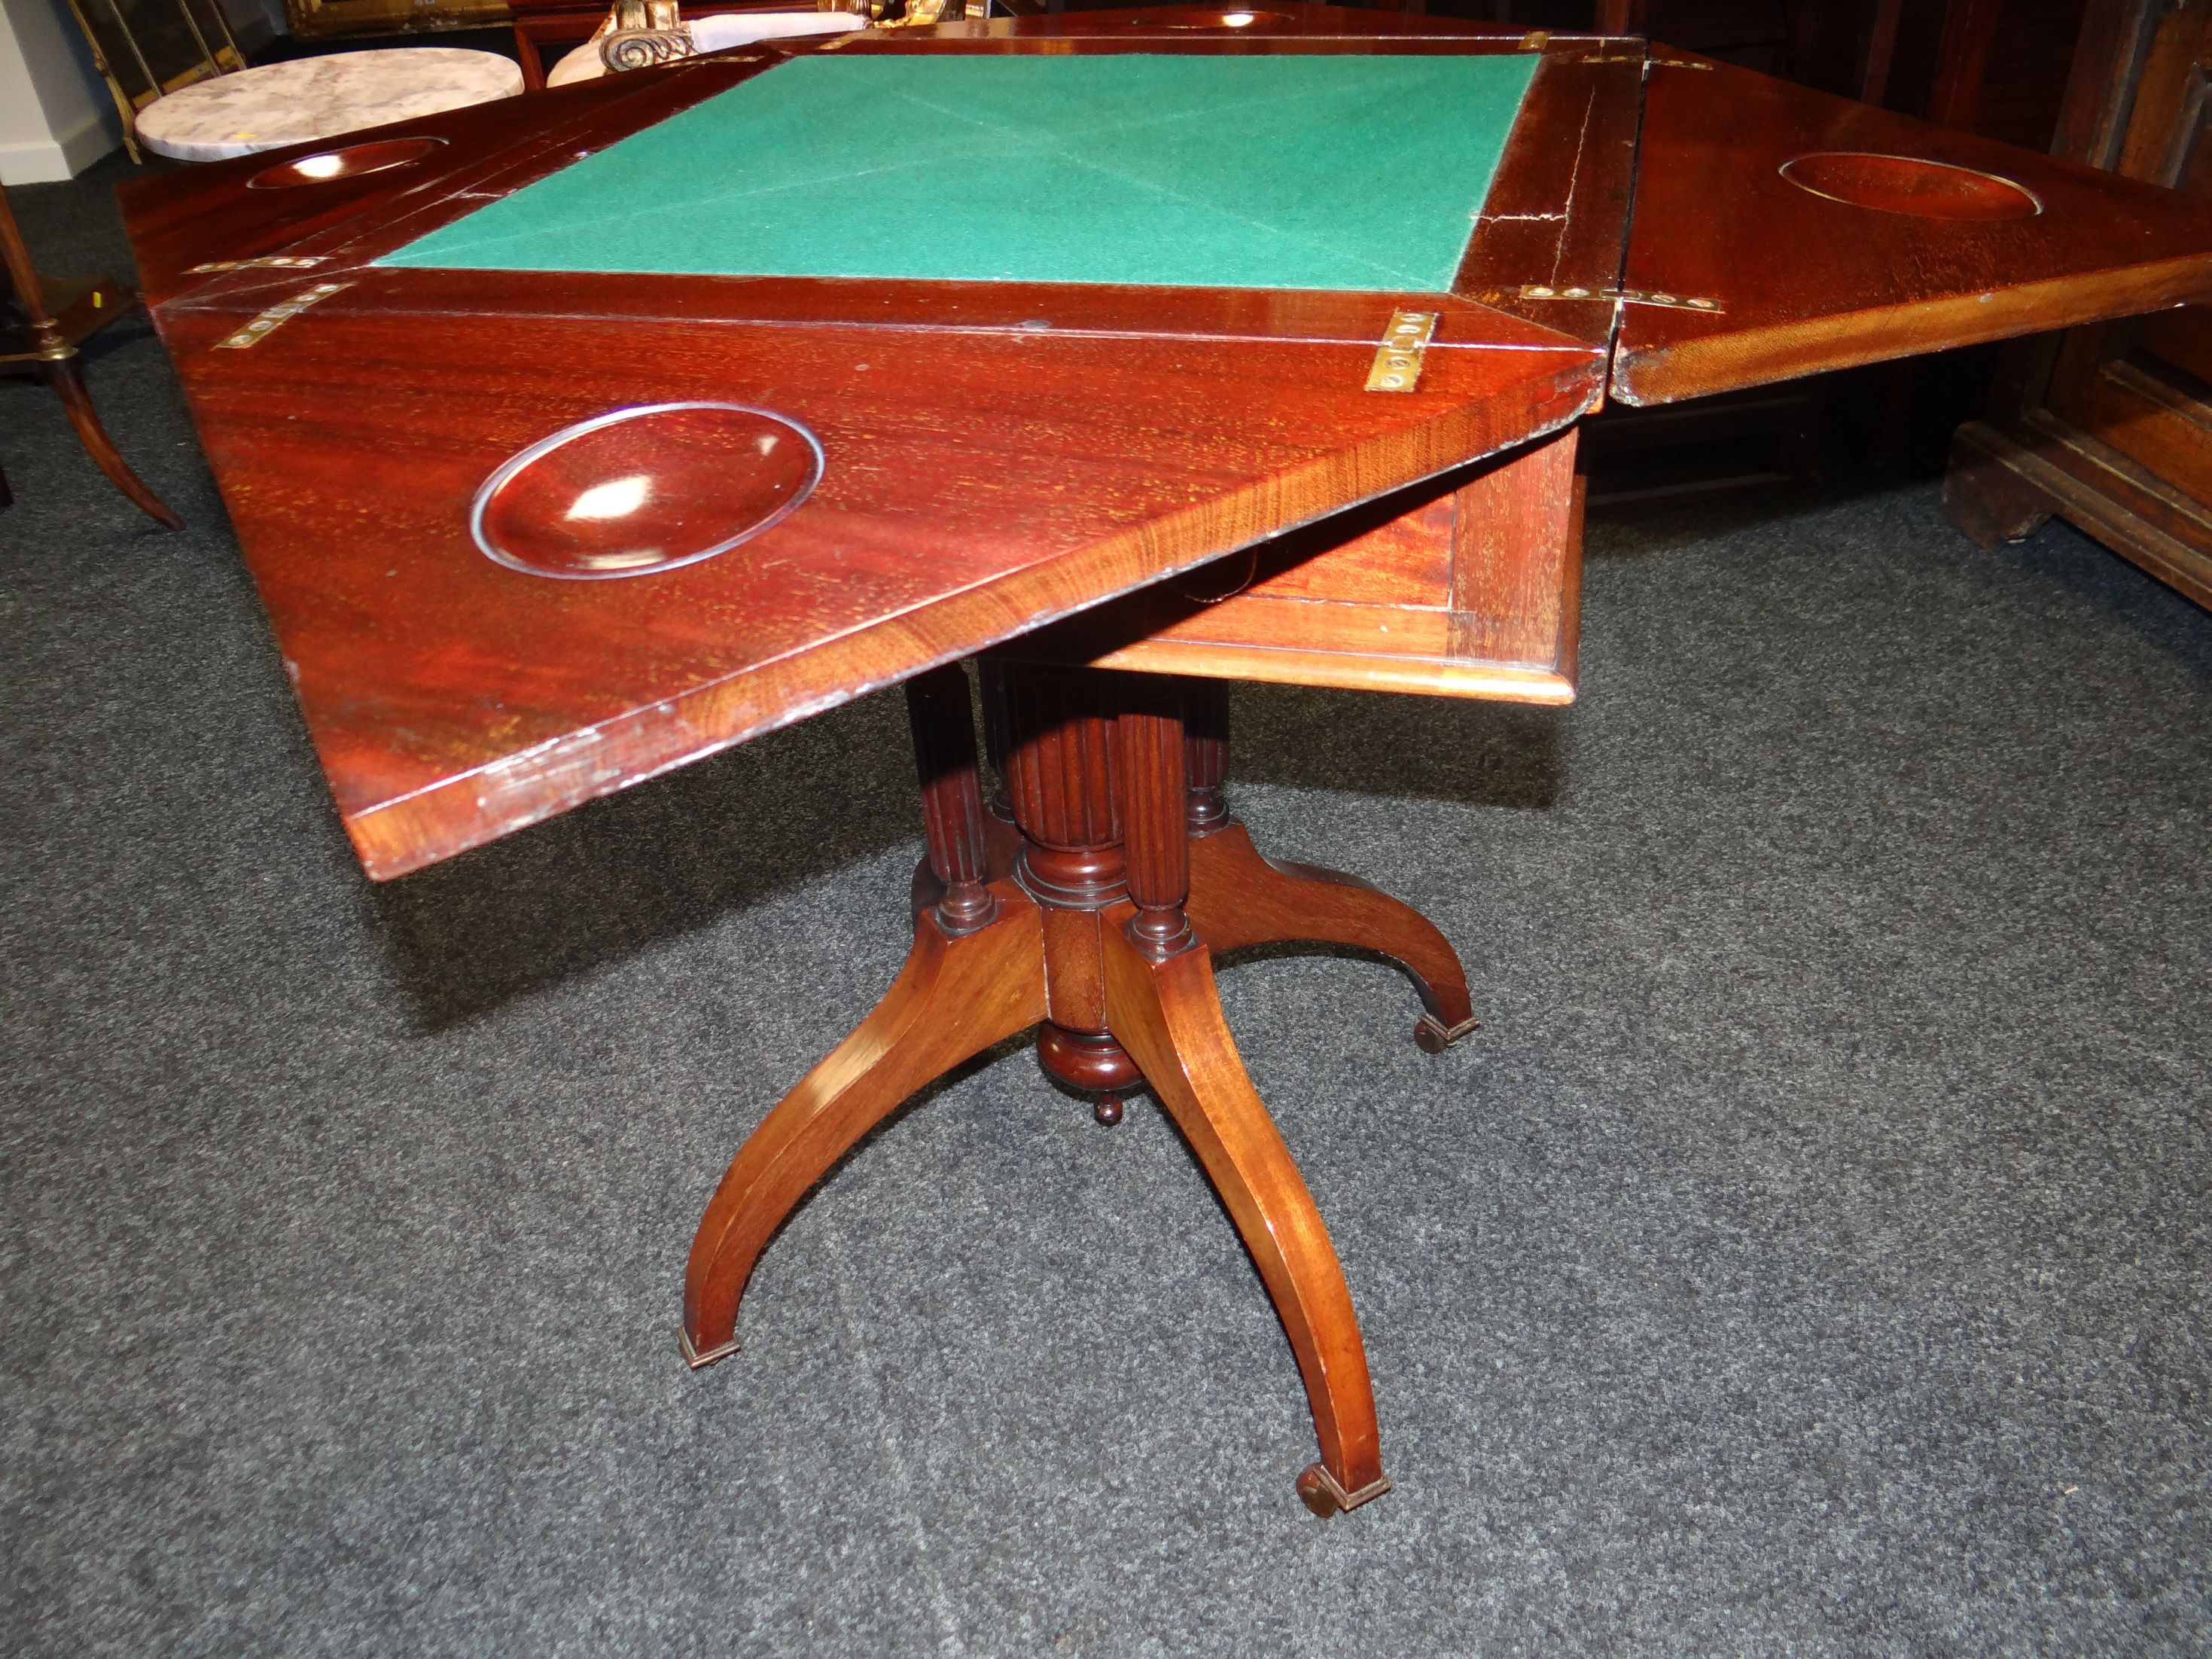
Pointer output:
x,y
1319,1491
1435,1036
696,1359
1314,1492
1107,1109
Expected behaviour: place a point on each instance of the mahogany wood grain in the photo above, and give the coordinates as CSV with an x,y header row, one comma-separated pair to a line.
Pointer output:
x,y
1557,215
1516,560
1167,1013
1239,897
210,213
1062,766
1132,433
1549,161
1804,282
1404,562
451,700
1101,311
1027,471
1469,586
1067,788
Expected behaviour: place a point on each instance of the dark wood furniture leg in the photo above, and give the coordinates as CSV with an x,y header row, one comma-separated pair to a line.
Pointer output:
x,y
66,376
1616,16
1163,1008
41,337
974,976
1239,896
529,58
1081,918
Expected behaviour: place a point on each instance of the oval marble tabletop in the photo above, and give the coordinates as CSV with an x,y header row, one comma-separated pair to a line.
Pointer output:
x,y
309,98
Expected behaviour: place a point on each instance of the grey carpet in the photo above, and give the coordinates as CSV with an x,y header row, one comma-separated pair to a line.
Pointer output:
x,y
1808,1257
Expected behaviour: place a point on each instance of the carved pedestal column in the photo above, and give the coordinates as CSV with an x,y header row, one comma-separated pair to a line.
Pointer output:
x,y
1093,916
1062,748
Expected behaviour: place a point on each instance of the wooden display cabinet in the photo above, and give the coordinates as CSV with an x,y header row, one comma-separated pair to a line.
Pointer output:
x,y
316,20
2110,425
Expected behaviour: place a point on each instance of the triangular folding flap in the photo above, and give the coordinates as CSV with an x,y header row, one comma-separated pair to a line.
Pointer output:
x,y
968,485
1780,232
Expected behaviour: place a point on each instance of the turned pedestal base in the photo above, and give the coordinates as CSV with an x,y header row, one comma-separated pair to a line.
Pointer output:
x,y
1089,906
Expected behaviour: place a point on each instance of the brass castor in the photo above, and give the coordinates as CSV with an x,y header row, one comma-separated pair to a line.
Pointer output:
x,y
1107,1109
698,1361
1314,1492
1319,1491
1435,1036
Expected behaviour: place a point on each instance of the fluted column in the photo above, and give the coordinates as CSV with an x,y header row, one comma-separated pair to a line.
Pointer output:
x,y
942,719
1205,751
1153,796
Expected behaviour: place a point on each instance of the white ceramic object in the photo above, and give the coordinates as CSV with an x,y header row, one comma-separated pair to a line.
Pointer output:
x,y
720,34
308,99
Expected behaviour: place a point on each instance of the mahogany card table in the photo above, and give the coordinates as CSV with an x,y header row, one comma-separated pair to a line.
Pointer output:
x,y
576,438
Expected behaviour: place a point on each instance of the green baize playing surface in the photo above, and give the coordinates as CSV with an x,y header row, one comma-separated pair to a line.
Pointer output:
x,y
1329,170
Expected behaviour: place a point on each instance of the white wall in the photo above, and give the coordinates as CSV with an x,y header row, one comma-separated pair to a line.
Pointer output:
x,y
55,116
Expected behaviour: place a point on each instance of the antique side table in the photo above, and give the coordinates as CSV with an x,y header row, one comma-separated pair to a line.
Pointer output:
x,y
570,445
42,323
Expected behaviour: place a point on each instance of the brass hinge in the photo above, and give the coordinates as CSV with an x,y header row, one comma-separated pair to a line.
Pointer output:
x,y
1638,57
1627,297
265,262
1397,366
1535,41
277,316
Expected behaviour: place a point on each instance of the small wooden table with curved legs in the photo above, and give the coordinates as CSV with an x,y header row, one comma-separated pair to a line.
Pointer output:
x,y
42,323
540,511
1088,904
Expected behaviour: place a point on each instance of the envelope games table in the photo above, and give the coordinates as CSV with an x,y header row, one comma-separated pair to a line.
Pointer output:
x,y
576,438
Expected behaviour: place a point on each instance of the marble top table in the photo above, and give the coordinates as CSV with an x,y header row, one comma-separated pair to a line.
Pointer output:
x,y
310,98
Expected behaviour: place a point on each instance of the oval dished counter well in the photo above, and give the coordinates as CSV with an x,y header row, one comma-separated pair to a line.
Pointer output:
x,y
639,490
1910,185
